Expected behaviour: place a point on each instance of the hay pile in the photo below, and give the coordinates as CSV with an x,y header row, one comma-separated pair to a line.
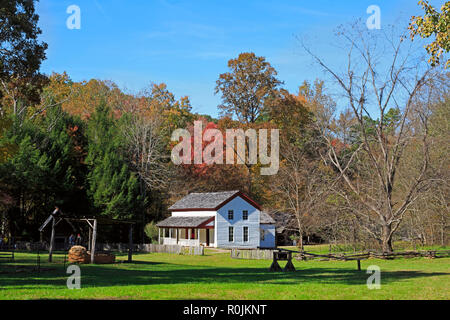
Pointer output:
x,y
78,254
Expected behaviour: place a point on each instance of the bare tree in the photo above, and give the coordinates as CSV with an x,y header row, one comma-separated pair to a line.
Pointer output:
x,y
431,215
381,74
301,187
146,154
146,150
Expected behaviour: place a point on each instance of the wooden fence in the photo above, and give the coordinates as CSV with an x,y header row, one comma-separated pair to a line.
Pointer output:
x,y
377,255
258,254
123,247
175,249
254,254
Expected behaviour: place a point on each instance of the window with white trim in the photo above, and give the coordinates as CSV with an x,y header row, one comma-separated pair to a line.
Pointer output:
x,y
245,233
245,215
230,234
230,214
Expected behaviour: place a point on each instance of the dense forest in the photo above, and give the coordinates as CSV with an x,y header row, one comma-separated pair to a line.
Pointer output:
x,y
366,171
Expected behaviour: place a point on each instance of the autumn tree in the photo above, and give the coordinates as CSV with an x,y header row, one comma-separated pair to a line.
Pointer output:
x,y
288,112
84,97
208,177
245,88
173,113
433,23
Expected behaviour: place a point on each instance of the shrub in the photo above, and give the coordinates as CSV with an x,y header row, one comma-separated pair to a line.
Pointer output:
x,y
151,231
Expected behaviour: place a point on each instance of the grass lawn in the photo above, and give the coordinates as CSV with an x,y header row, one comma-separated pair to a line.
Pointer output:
x,y
217,276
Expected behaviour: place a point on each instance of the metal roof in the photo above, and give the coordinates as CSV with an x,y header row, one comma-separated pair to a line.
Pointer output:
x,y
207,200
265,218
183,222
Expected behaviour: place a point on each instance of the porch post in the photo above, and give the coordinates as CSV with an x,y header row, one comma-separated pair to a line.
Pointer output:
x,y
198,236
159,235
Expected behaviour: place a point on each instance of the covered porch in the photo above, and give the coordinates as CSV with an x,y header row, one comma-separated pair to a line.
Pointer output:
x,y
187,231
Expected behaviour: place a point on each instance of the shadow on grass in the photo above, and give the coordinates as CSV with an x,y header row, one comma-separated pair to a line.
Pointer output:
x,y
154,273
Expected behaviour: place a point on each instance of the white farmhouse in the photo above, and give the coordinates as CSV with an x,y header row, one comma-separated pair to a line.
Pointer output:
x,y
227,219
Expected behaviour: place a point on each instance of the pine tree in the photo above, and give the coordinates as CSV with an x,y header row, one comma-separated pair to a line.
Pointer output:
x,y
44,170
112,187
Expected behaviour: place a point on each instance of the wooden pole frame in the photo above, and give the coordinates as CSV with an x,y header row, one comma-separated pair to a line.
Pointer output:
x,y
94,240
52,241
90,238
92,223
130,244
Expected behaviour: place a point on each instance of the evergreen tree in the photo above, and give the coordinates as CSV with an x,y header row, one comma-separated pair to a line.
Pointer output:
x,y
43,172
112,187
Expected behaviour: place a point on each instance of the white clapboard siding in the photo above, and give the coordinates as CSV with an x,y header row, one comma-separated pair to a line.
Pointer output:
x,y
269,236
222,223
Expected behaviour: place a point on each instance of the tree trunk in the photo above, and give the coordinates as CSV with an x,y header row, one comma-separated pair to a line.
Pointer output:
x,y
386,241
300,241
144,196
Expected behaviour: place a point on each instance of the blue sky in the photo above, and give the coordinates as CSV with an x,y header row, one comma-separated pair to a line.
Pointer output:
x,y
186,44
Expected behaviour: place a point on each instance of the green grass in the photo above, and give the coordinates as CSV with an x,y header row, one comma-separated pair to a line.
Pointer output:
x,y
217,276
